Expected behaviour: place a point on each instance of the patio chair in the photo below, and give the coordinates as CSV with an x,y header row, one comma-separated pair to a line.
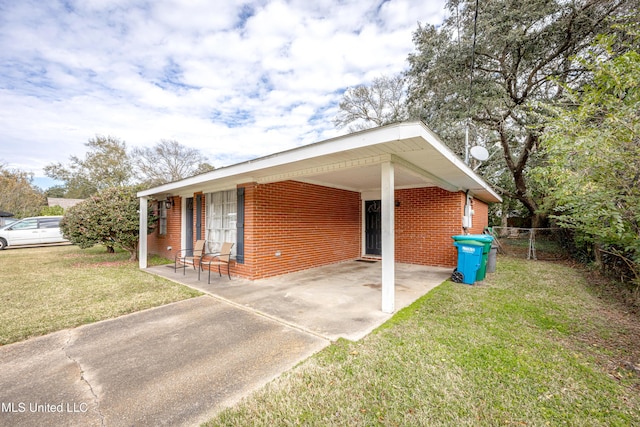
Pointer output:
x,y
189,257
219,259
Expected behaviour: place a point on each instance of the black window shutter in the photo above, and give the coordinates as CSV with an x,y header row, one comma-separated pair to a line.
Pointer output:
x,y
240,227
199,217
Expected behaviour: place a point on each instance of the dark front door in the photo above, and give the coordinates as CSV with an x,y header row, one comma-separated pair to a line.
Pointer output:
x,y
373,227
188,216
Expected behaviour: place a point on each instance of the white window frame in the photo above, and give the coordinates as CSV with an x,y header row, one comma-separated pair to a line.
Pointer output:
x,y
221,219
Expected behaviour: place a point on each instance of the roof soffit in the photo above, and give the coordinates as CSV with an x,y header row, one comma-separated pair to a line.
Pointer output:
x,y
350,162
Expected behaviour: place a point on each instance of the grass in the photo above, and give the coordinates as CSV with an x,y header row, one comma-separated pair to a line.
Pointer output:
x,y
531,346
52,288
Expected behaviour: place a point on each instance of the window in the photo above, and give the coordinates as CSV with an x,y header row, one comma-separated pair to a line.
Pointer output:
x,y
26,224
222,212
49,223
162,218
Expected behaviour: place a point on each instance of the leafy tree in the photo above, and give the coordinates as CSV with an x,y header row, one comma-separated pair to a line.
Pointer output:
x,y
51,210
17,194
593,145
109,217
79,225
168,161
382,103
57,191
107,164
523,58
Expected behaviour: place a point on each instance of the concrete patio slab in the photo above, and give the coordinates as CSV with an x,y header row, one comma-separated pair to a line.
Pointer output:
x,y
334,301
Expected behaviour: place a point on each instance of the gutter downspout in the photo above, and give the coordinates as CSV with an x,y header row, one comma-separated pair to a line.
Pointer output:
x,y
467,218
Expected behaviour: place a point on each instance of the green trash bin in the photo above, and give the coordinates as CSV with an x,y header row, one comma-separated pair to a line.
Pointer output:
x,y
486,240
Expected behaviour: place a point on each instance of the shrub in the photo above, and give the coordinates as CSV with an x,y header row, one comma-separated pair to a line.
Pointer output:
x,y
111,218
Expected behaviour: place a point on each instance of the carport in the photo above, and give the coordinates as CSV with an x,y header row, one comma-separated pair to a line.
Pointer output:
x,y
331,302
374,163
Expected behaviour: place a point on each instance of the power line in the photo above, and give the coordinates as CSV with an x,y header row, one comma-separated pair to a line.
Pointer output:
x,y
470,100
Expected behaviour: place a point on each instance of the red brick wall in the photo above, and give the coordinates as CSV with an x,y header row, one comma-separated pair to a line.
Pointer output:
x,y
480,216
312,225
424,223
309,225
156,243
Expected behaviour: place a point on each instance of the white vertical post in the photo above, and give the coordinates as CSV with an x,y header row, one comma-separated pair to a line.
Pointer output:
x,y
388,238
142,242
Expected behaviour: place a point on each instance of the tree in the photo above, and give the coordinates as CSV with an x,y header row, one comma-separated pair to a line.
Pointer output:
x,y
109,217
107,164
17,194
57,191
168,161
51,211
523,58
382,103
593,145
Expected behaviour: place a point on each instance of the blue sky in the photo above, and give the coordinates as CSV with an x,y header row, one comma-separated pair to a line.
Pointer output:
x,y
235,80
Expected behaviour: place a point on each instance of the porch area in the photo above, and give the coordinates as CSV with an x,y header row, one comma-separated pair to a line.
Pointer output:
x,y
334,301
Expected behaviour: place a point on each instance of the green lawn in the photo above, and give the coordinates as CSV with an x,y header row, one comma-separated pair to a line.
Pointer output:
x,y
51,288
531,346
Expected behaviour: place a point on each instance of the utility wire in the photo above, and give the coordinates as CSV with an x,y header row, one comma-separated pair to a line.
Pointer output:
x,y
470,100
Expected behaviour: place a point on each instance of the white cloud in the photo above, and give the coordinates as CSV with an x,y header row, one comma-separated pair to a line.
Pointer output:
x,y
233,80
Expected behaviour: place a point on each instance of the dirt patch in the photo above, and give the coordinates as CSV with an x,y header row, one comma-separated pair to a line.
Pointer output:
x,y
622,295
619,351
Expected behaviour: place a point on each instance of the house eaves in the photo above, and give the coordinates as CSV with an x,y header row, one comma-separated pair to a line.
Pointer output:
x,y
350,162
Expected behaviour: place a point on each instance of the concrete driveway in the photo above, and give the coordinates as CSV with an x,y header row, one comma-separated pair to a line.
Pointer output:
x,y
181,363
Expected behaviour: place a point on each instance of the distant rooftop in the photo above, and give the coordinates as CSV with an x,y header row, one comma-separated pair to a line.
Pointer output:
x,y
62,202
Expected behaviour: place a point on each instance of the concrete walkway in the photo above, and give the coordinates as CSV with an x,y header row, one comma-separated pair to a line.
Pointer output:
x,y
181,363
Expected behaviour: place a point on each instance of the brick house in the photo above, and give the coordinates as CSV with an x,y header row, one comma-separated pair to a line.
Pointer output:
x,y
396,193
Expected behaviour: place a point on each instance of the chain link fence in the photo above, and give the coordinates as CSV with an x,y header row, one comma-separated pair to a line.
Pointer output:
x,y
547,244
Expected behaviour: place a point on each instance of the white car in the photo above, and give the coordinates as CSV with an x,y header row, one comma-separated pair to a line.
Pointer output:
x,y
32,231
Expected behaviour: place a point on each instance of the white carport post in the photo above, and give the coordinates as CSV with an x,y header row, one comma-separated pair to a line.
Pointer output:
x,y
142,234
388,238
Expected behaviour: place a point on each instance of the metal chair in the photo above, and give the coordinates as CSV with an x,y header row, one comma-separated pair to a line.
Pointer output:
x,y
189,257
219,259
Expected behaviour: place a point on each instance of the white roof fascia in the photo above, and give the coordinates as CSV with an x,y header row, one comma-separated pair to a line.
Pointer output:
x,y
366,138
330,146
457,162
